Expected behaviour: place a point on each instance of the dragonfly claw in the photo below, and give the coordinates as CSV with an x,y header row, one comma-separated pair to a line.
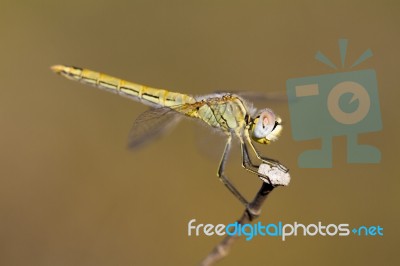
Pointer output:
x,y
277,164
276,177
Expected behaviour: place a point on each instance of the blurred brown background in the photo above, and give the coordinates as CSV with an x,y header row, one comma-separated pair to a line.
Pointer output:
x,y
72,194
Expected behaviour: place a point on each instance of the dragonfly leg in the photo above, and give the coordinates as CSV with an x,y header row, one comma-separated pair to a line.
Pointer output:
x,y
246,161
269,161
224,179
248,165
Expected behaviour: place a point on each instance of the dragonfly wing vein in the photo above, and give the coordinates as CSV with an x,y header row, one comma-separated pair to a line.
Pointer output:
x,y
152,124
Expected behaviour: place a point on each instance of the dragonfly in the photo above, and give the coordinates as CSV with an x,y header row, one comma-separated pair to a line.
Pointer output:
x,y
228,113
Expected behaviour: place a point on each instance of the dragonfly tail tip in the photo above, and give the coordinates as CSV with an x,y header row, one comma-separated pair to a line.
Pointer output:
x,y
57,68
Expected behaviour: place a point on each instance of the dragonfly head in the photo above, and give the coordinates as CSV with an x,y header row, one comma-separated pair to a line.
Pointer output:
x,y
266,127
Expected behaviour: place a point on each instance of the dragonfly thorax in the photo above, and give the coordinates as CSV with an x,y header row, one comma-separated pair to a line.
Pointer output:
x,y
225,112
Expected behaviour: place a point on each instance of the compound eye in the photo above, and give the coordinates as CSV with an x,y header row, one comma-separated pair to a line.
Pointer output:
x,y
268,118
265,122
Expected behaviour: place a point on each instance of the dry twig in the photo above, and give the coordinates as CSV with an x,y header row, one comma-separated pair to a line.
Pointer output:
x,y
251,213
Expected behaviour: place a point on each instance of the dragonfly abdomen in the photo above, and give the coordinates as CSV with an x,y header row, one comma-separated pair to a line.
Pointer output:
x,y
147,95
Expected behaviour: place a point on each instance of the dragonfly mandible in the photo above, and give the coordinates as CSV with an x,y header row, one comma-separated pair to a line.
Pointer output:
x,y
227,112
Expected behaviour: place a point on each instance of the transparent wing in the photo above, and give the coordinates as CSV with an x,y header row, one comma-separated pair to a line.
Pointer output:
x,y
277,96
152,124
253,96
210,143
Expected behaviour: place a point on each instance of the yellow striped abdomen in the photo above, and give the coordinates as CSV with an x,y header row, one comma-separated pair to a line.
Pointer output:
x,y
147,95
